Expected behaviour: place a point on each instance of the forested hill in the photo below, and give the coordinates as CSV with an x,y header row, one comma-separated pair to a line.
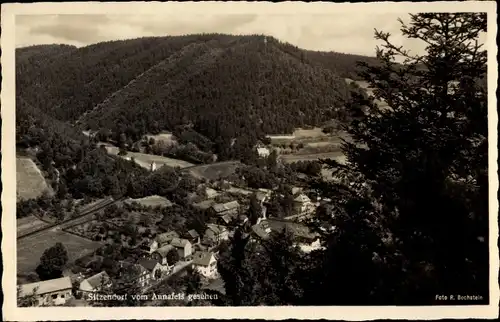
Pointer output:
x,y
223,86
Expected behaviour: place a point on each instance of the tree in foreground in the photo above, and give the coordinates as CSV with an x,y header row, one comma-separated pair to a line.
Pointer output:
x,y
52,262
412,210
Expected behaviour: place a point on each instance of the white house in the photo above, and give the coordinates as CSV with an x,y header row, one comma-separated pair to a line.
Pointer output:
x,y
51,292
206,264
303,205
95,283
263,152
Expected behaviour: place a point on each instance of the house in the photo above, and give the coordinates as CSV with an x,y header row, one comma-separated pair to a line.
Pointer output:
x,y
162,240
207,192
205,263
302,204
301,233
183,246
261,229
95,283
264,194
263,152
51,292
214,234
160,255
204,205
153,268
193,236
228,208
144,277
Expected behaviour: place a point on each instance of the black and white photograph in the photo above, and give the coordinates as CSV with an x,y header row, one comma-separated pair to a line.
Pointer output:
x,y
307,158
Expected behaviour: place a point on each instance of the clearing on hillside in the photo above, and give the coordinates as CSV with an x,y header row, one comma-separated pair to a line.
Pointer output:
x,y
290,158
151,201
29,224
144,160
30,249
214,171
30,182
167,138
309,133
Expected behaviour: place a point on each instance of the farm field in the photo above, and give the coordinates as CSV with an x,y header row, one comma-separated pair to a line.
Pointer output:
x,y
144,160
290,158
29,224
30,181
151,201
214,171
31,248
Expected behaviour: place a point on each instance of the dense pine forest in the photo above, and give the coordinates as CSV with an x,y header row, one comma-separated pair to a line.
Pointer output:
x,y
223,87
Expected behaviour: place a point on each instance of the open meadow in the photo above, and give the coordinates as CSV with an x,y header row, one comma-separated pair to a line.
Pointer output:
x,y
31,248
29,179
150,201
144,160
29,224
214,171
290,158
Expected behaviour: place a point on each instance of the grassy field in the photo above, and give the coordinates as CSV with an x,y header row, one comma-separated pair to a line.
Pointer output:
x,y
151,201
30,181
290,158
30,249
144,160
29,224
168,138
215,171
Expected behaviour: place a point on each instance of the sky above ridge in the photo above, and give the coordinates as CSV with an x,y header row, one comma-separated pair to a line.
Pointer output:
x,y
342,32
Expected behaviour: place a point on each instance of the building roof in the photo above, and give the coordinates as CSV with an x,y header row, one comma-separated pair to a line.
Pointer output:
x,y
260,230
192,234
211,192
163,251
205,204
302,198
260,195
179,242
217,229
166,237
263,151
140,269
202,258
227,218
225,206
98,279
48,286
297,229
148,264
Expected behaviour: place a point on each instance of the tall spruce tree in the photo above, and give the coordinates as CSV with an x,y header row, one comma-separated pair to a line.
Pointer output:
x,y
411,212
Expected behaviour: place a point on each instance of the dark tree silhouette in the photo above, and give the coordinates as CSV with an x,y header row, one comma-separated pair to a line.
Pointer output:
x,y
52,262
411,215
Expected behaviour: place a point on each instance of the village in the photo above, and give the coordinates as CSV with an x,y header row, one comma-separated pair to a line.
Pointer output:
x,y
137,240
